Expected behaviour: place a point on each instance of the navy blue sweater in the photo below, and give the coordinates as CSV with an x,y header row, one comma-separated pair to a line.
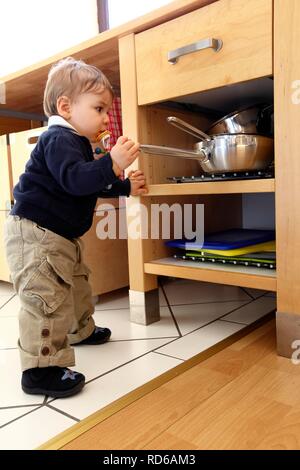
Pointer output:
x,y
62,182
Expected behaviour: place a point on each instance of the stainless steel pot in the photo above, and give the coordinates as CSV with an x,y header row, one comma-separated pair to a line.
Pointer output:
x,y
221,153
251,120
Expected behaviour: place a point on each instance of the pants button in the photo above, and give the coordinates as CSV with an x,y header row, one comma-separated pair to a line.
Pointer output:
x,y
45,351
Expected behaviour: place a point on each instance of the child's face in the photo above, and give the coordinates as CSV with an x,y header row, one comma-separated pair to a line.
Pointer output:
x,y
89,113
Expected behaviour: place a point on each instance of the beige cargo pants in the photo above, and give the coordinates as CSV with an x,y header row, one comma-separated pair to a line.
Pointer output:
x,y
52,283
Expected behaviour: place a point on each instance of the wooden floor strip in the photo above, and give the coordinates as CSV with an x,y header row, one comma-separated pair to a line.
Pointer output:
x,y
158,390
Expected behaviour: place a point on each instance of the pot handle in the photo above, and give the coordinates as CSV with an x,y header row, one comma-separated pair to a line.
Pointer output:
x,y
265,120
174,152
185,127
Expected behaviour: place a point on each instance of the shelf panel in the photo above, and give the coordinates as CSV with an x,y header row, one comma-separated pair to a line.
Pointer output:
x,y
216,187
243,276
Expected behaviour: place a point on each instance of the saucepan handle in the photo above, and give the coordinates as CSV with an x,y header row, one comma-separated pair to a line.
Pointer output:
x,y
173,152
185,127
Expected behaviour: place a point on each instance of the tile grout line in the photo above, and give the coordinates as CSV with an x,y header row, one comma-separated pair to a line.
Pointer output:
x,y
47,405
193,303
169,306
246,292
5,303
246,324
216,319
141,339
22,416
211,302
168,355
240,323
13,407
118,367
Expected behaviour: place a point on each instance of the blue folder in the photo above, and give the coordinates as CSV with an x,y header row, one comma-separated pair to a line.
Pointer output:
x,y
226,240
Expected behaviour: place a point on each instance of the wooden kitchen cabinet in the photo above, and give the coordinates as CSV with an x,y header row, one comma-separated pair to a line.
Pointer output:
x,y
242,30
5,200
5,185
246,55
21,146
260,48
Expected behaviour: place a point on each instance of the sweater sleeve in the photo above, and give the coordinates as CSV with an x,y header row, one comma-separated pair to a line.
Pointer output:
x,y
119,188
72,172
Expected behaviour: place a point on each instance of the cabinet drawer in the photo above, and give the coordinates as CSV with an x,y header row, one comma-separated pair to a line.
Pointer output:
x,y
245,29
5,196
107,259
21,146
4,271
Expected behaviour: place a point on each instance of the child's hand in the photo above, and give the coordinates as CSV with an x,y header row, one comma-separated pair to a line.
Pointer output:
x,y
137,181
124,152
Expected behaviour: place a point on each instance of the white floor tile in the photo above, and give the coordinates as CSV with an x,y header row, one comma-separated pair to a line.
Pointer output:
x,y
162,299
253,311
181,292
4,299
13,413
121,327
191,317
20,434
125,362
93,361
6,288
120,299
9,332
11,393
11,309
254,293
116,384
200,340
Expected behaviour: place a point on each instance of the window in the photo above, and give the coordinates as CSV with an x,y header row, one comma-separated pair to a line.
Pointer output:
x,y
32,30
122,11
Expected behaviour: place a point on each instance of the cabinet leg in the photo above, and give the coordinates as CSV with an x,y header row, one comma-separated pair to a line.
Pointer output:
x,y
288,335
144,306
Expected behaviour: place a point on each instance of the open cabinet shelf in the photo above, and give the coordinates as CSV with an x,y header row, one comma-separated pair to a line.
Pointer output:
x,y
236,275
217,187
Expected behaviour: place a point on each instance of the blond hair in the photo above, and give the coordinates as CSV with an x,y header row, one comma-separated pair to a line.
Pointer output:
x,y
70,77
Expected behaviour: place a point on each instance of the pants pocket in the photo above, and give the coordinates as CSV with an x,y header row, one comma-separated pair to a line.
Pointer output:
x,y
82,270
48,285
39,233
13,244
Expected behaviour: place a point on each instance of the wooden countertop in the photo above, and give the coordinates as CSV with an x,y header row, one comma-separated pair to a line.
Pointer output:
x,y
24,89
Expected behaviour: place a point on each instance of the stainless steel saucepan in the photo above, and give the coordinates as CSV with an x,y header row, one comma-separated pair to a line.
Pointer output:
x,y
222,152
250,120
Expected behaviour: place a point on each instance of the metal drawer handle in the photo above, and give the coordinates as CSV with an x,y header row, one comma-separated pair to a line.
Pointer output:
x,y
215,44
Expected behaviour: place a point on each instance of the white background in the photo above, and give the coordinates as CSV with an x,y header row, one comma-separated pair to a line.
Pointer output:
x,y
33,30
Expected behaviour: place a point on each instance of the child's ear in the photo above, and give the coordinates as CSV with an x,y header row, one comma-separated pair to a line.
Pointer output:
x,y
63,106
